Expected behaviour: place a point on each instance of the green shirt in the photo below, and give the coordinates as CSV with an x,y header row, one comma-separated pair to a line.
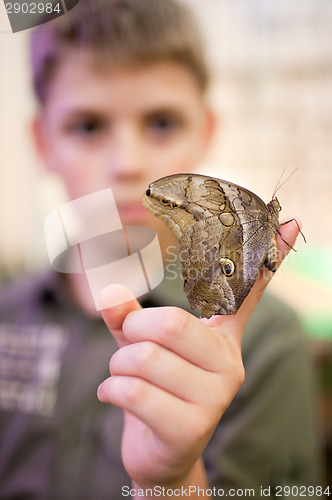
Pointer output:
x,y
59,442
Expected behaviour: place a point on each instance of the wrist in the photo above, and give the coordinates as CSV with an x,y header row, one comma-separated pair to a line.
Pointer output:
x,y
193,483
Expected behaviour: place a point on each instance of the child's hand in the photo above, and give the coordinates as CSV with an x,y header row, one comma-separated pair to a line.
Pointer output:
x,y
174,375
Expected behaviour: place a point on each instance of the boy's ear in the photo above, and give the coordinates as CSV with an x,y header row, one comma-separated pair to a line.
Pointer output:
x,y
39,139
210,127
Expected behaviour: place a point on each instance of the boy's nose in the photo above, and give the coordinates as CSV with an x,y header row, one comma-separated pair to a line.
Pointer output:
x,y
127,158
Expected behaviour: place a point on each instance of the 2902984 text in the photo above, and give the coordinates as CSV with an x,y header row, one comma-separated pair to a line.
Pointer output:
x,y
33,8
302,491
267,492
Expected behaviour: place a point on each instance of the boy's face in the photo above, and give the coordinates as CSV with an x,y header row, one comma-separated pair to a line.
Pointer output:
x,y
122,128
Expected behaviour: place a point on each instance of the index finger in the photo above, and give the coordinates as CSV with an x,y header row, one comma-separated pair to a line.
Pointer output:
x,y
117,302
180,332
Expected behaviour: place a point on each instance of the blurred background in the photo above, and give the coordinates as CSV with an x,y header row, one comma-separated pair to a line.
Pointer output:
x,y
271,65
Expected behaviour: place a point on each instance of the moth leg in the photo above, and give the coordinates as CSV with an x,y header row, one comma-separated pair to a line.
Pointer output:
x,y
287,222
271,261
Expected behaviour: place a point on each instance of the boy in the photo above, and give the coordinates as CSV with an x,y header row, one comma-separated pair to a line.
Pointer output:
x,y
121,90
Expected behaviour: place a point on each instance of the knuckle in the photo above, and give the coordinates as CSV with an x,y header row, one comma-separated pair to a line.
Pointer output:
x,y
235,365
198,426
238,376
135,392
241,375
238,370
146,352
231,377
111,364
115,363
173,321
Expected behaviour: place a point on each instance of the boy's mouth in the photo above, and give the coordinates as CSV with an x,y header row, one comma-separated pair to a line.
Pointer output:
x,y
133,212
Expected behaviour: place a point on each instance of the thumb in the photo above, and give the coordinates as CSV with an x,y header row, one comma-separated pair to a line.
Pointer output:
x,y
116,303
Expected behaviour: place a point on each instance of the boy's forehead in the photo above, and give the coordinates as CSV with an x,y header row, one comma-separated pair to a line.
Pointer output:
x,y
79,82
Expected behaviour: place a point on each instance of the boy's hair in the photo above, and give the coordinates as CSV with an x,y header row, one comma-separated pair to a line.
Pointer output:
x,y
123,33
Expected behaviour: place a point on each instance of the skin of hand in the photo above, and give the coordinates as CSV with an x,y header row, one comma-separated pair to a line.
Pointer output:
x,y
174,375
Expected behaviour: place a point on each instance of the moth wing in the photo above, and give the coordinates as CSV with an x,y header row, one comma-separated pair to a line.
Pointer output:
x,y
227,225
217,223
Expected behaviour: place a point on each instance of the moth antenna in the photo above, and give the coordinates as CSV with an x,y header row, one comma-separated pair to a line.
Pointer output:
x,y
278,186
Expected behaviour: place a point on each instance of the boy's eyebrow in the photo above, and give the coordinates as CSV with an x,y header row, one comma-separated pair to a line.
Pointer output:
x,y
72,113
164,109
174,110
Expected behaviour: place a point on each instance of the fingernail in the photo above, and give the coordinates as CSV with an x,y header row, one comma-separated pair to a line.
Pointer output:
x,y
99,390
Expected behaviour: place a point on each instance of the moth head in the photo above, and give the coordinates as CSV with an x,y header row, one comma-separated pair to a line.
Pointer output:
x,y
275,205
161,197
165,201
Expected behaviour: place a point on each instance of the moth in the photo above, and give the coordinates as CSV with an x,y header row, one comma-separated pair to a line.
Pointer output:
x,y
225,232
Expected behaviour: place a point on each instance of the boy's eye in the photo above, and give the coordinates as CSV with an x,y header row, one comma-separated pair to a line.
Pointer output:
x,y
86,126
163,125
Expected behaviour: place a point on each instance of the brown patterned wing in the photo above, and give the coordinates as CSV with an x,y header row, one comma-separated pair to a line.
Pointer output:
x,y
223,235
